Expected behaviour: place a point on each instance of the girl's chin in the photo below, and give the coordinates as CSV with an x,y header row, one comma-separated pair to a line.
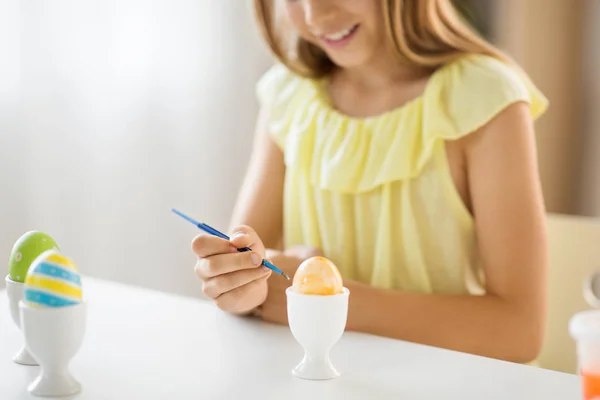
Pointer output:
x,y
348,60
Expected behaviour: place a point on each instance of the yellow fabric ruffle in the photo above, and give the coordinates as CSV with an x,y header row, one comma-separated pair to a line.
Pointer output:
x,y
354,155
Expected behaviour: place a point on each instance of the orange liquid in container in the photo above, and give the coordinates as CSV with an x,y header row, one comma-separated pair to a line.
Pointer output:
x,y
591,385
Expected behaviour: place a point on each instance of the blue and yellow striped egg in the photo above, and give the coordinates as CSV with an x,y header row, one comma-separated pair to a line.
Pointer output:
x,y
53,280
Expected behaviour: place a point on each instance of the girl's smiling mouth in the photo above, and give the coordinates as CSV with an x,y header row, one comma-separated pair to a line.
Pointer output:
x,y
339,38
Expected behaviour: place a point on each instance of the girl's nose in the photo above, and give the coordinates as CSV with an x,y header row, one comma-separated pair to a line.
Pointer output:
x,y
318,12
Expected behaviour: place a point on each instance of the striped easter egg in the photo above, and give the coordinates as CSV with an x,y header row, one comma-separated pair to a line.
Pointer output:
x,y
53,280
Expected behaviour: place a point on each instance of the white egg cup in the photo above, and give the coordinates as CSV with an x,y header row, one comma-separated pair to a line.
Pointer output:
x,y
15,293
53,336
317,323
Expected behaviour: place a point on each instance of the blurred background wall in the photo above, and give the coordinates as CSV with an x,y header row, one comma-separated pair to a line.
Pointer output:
x,y
114,111
125,109
589,198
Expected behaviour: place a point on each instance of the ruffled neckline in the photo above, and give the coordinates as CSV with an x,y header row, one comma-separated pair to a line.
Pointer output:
x,y
348,154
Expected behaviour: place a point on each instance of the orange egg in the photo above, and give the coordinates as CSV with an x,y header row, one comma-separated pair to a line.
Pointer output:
x,y
318,275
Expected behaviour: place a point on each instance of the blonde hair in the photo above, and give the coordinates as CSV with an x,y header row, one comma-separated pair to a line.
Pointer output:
x,y
426,33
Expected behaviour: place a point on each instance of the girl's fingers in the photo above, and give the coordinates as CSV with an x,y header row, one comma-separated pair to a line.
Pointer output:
x,y
227,263
223,284
245,297
205,245
244,236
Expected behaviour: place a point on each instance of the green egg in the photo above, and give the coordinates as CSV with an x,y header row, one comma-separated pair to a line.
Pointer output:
x,y
25,251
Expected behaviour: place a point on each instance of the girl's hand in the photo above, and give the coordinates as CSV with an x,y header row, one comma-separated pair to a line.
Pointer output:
x,y
235,281
274,309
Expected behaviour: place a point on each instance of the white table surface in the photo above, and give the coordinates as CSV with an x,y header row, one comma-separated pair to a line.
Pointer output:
x,y
143,344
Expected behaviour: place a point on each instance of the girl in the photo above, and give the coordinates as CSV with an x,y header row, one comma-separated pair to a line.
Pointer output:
x,y
400,145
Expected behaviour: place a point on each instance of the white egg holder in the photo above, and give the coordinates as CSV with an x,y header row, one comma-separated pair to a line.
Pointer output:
x,y
317,323
16,292
52,337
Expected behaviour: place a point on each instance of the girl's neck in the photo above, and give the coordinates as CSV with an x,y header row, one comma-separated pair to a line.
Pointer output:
x,y
382,72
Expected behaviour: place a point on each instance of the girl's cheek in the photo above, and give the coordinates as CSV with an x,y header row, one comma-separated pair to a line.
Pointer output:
x,y
295,16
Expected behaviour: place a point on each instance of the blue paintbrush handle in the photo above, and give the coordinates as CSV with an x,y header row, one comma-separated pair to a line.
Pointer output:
x,y
212,231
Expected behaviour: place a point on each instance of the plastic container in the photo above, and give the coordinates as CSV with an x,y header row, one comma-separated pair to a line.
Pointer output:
x,y
584,328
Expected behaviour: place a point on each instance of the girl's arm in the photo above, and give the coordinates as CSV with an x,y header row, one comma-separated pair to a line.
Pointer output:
x,y
260,201
508,321
235,280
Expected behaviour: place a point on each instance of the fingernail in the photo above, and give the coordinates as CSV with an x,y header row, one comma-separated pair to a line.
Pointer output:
x,y
233,249
237,235
255,259
265,269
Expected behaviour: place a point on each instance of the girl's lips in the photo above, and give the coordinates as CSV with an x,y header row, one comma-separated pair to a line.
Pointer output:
x,y
342,41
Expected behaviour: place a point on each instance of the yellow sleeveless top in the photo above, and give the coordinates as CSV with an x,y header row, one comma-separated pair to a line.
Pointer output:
x,y
376,193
